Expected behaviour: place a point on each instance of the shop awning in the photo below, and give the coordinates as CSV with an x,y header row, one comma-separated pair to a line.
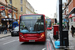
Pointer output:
x,y
7,19
72,15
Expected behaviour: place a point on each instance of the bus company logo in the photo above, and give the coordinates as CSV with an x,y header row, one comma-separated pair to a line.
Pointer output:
x,y
31,34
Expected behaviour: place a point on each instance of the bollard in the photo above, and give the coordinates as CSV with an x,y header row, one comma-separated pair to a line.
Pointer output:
x,y
57,37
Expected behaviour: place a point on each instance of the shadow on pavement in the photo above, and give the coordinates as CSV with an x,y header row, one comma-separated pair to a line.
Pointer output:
x,y
33,43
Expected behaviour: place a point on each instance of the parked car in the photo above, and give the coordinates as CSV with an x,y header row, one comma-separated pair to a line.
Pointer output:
x,y
15,31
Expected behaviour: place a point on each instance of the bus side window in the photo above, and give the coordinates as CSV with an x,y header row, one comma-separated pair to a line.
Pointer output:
x,y
42,26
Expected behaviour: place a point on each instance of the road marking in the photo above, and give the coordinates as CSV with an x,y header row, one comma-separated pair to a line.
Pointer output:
x,y
9,42
48,45
44,49
4,38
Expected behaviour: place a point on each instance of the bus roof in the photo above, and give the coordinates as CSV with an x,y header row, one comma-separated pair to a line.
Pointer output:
x,y
31,14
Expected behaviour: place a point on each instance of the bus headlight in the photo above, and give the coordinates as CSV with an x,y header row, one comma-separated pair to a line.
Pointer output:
x,y
21,36
42,35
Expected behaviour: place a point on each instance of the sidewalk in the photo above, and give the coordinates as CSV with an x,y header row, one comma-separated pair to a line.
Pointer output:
x,y
71,41
5,35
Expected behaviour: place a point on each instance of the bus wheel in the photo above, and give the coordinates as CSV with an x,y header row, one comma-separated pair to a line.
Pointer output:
x,y
44,42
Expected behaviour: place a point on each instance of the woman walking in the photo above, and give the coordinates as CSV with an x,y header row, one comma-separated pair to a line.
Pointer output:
x,y
5,29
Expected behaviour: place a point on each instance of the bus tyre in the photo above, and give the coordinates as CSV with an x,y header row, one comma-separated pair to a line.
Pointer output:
x,y
44,42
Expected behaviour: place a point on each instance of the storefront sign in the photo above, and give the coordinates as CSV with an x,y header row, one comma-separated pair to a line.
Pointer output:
x,y
10,11
72,15
2,8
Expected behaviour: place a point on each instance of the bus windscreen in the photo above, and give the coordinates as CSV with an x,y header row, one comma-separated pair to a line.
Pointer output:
x,y
32,24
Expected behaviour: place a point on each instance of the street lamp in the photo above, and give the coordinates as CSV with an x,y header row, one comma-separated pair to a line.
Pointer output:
x,y
60,22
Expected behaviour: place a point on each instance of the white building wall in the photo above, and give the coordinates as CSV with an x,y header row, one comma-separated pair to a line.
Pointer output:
x,y
57,10
30,8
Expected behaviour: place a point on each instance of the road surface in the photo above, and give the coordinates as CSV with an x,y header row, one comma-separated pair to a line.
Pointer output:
x,y
12,43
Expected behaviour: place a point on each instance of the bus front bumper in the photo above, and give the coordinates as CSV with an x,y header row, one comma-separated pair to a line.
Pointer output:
x,y
32,39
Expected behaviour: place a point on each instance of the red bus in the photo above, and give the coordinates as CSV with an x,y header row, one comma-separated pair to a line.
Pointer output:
x,y
32,28
49,26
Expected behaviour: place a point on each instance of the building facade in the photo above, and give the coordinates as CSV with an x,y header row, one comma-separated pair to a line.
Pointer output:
x,y
71,14
69,11
53,21
65,12
23,6
7,12
57,10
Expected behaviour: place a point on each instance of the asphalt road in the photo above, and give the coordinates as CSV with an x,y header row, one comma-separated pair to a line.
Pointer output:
x,y
12,43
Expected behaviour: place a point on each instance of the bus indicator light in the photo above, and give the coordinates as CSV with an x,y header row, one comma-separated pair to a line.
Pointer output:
x,y
42,35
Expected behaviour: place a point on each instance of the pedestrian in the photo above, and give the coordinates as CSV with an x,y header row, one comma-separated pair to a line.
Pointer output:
x,y
7,26
72,30
0,27
10,27
5,29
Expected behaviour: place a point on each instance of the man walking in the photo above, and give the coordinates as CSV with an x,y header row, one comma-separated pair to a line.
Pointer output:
x,y
0,27
72,29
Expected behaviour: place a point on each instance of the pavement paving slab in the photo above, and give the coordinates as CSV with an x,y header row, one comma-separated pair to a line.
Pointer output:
x,y
71,41
5,35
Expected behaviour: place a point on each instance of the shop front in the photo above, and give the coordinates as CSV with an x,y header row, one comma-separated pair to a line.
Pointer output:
x,y
71,21
7,14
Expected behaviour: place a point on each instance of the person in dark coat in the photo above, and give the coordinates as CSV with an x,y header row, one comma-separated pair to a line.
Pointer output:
x,y
0,27
5,29
72,29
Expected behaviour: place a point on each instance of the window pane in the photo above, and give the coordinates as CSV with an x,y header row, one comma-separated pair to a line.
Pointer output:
x,y
21,9
10,1
21,1
10,15
3,13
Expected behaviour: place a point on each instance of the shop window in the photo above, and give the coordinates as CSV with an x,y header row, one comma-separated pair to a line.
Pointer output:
x,y
10,15
3,13
10,1
21,1
14,16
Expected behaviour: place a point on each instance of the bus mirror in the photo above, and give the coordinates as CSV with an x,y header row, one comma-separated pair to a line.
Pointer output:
x,y
46,21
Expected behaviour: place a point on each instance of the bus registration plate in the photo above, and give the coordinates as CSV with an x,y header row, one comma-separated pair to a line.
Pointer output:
x,y
31,40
